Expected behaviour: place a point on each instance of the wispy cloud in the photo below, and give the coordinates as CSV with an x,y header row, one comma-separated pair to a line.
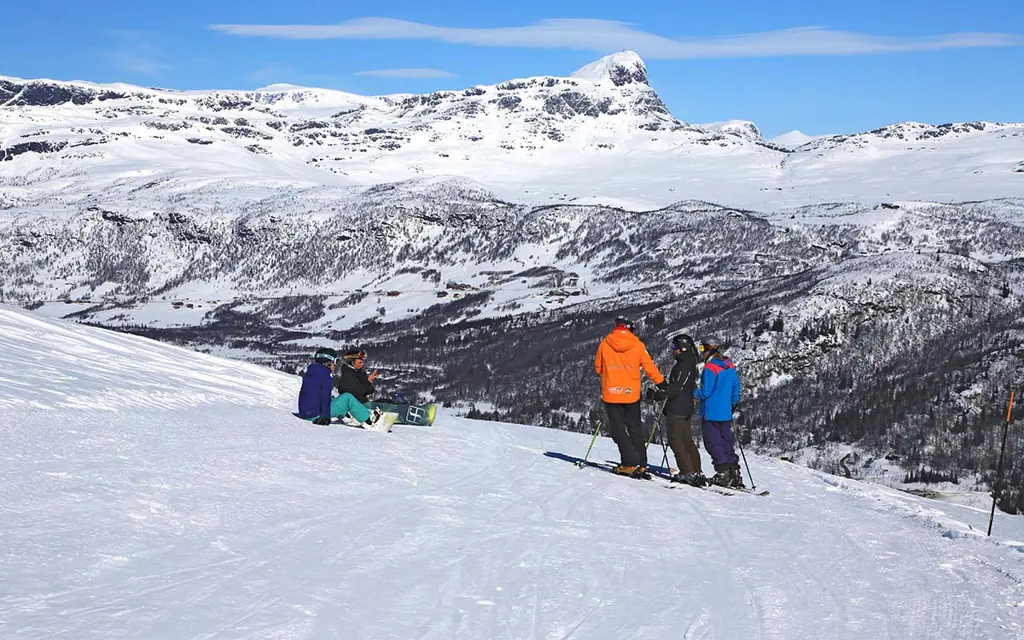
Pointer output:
x,y
406,73
133,51
610,35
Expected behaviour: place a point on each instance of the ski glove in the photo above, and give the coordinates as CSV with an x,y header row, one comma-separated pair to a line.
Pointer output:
x,y
323,421
655,395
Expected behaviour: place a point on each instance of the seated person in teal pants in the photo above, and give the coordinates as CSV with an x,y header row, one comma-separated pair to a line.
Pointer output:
x,y
315,401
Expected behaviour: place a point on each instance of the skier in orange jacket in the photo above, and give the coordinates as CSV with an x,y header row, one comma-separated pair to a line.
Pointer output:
x,y
620,357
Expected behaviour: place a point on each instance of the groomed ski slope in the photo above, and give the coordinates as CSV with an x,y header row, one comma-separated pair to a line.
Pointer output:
x,y
150,492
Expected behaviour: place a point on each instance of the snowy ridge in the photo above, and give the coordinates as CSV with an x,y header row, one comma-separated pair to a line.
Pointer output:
x,y
126,520
599,136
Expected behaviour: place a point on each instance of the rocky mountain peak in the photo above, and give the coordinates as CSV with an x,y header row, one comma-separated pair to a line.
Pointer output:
x,y
622,68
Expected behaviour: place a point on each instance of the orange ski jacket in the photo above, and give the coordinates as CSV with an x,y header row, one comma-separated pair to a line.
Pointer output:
x,y
620,356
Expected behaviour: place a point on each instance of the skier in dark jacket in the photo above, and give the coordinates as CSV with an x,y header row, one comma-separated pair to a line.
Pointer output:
x,y
315,401
719,393
679,409
352,378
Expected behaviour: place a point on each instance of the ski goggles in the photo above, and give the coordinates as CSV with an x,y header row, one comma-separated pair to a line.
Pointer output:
x,y
361,355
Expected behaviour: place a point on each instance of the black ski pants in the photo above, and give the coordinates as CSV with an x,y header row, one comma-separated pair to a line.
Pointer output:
x,y
680,439
627,431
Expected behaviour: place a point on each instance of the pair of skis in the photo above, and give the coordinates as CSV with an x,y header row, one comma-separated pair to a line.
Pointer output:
x,y
669,482
714,488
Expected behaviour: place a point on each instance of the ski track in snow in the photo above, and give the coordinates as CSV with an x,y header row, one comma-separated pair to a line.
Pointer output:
x,y
202,515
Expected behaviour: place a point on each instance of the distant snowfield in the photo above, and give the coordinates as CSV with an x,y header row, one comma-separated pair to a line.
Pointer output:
x,y
153,492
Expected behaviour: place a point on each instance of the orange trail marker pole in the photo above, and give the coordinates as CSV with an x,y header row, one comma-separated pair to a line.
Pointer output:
x,y
999,472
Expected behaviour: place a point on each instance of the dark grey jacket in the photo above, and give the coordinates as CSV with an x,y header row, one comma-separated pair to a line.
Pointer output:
x,y
348,379
681,382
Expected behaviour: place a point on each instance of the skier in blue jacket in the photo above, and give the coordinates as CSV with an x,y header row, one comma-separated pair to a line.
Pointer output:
x,y
315,401
719,393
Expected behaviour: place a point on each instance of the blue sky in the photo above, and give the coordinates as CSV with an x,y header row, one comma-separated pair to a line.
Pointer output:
x,y
815,65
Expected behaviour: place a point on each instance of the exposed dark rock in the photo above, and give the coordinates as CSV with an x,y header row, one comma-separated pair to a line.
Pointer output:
x,y
246,132
509,102
633,74
166,125
307,125
36,146
45,94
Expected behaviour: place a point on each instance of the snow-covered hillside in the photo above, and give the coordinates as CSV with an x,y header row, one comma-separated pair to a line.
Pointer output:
x,y
601,135
153,492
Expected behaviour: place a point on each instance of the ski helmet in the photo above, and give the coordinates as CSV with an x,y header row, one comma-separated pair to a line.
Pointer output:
x,y
683,342
623,321
325,355
710,344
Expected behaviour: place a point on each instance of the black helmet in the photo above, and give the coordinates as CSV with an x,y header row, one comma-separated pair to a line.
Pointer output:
x,y
623,321
325,355
683,342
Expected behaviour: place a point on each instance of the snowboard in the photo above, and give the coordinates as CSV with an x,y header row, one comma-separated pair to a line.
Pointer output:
x,y
419,414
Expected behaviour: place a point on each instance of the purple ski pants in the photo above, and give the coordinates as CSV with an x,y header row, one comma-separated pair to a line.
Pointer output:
x,y
721,444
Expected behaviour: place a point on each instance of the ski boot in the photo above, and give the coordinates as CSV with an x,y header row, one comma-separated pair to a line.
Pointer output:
x,y
683,478
375,415
641,473
624,470
736,479
697,479
721,479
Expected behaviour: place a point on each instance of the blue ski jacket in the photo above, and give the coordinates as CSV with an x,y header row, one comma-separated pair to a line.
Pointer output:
x,y
719,389
315,393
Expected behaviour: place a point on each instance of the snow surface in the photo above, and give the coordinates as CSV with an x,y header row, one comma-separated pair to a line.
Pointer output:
x,y
152,492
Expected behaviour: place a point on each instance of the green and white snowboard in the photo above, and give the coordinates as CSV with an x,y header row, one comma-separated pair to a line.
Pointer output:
x,y
419,414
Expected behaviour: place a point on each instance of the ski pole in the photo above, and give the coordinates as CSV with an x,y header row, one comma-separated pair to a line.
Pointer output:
x,y
656,415
664,448
584,461
999,473
663,441
740,444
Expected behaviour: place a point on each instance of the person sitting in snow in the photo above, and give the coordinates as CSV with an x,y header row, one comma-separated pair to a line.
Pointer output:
x,y
315,401
719,393
352,378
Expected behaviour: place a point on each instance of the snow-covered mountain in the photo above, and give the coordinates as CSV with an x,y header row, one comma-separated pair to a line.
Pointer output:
x,y
150,491
600,135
